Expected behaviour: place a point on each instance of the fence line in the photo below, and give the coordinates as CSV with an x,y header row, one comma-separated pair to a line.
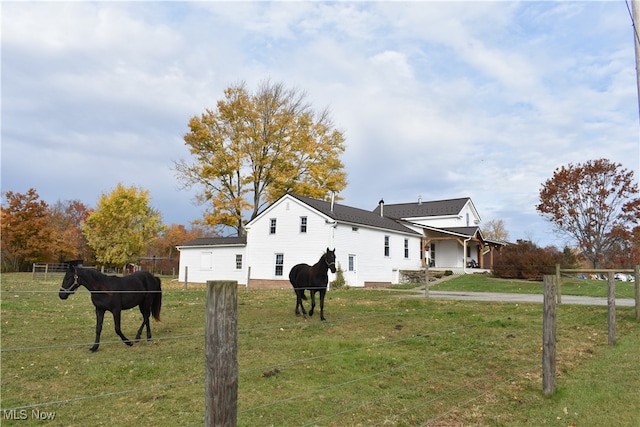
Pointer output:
x,y
194,381
610,279
393,369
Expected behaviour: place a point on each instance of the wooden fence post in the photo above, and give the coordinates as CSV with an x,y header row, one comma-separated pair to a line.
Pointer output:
x,y
611,303
558,285
426,280
221,354
549,337
636,273
186,277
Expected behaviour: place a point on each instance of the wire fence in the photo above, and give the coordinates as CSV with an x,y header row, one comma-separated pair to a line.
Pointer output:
x,y
501,359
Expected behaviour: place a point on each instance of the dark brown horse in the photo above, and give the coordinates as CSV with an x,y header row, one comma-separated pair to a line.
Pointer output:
x,y
114,294
314,278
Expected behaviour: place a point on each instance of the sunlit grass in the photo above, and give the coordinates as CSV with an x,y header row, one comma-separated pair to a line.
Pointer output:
x,y
379,360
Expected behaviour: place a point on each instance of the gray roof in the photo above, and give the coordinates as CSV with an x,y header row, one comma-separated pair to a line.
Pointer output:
x,y
465,231
424,209
355,216
216,241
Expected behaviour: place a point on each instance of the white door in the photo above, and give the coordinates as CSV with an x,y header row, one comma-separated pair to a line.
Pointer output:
x,y
350,276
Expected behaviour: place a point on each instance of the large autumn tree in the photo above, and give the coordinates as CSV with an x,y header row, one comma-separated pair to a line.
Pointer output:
x,y
66,219
596,204
26,233
255,147
122,226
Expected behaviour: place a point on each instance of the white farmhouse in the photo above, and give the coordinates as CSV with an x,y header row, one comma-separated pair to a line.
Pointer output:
x,y
372,247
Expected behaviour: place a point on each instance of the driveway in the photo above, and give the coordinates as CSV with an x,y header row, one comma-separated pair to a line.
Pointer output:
x,y
524,298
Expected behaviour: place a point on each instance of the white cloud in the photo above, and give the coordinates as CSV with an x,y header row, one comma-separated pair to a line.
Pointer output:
x,y
439,99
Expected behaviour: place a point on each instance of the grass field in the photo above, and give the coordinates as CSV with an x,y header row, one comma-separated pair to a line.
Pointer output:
x,y
381,359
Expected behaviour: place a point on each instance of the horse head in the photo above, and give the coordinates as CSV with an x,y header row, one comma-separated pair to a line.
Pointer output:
x,y
70,282
330,259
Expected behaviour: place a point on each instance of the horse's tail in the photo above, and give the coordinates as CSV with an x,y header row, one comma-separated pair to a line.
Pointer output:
x,y
156,302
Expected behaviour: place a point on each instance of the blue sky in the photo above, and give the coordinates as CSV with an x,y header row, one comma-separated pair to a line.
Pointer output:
x,y
436,99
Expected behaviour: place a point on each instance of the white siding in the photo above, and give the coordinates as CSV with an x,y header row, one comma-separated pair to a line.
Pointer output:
x,y
212,263
367,245
296,247
448,253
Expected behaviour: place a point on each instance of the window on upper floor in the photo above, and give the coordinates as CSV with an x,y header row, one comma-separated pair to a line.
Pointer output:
x,y
406,248
238,261
386,246
272,226
303,224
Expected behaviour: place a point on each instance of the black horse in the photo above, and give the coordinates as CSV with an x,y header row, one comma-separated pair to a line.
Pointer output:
x,y
114,294
314,278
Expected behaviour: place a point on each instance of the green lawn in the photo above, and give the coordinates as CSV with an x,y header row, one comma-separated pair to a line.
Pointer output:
x,y
569,286
381,359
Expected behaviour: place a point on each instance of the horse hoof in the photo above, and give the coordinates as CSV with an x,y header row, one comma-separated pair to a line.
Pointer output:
x,y
92,350
129,343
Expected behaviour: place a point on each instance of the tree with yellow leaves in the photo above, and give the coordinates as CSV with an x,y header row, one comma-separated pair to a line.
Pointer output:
x,y
122,226
254,148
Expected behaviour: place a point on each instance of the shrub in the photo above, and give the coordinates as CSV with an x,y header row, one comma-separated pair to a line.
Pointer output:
x,y
525,260
339,282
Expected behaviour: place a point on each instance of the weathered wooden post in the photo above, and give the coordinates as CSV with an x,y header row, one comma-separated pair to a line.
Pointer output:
x,y
549,337
426,280
221,354
558,285
611,303
636,274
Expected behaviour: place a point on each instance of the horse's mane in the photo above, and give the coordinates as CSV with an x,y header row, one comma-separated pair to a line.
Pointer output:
x,y
93,273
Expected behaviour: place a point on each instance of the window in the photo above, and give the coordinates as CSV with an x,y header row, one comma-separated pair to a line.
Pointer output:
x,y
279,264
352,263
303,224
206,261
467,219
272,227
238,261
386,245
354,229
406,248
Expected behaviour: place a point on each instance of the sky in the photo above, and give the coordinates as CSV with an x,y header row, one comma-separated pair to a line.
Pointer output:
x,y
437,100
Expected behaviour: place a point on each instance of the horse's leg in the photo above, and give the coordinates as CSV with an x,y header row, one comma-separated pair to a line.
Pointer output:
x,y
299,293
313,301
116,321
146,312
322,292
298,304
99,320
